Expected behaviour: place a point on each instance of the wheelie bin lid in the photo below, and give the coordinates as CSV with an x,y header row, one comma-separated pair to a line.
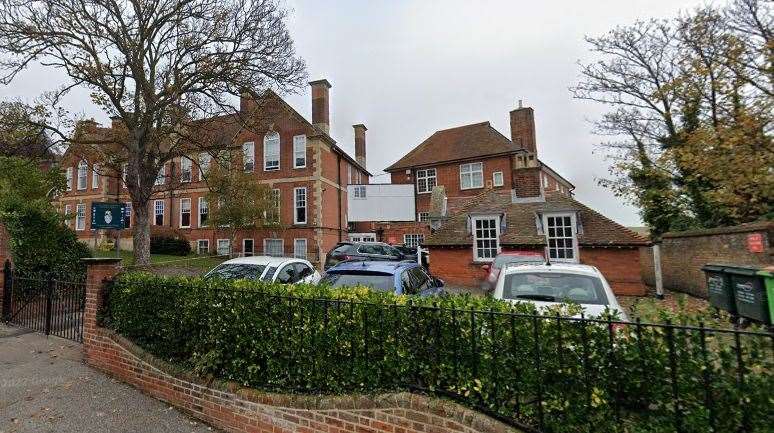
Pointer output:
x,y
748,271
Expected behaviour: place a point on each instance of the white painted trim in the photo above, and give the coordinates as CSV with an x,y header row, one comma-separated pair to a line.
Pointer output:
x,y
295,205
190,212
473,220
471,175
574,230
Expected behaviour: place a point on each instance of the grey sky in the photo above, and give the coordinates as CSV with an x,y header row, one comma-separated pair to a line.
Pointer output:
x,y
408,68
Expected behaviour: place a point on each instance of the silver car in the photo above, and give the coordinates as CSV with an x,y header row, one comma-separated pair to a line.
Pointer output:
x,y
279,269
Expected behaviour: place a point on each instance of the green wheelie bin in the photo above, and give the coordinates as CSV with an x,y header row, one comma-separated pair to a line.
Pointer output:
x,y
768,281
721,293
749,293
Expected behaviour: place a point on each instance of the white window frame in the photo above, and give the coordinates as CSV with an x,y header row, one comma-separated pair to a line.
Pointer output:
x,y
549,237
199,246
203,204
268,140
95,176
83,174
190,214
545,180
359,192
299,151
67,210
476,256
297,253
296,205
413,240
80,217
248,156
266,251
156,209
204,164
424,176
470,169
186,169
423,217
217,247
495,176
252,252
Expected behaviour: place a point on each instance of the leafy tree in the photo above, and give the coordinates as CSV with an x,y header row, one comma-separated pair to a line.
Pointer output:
x,y
691,105
39,239
158,66
238,201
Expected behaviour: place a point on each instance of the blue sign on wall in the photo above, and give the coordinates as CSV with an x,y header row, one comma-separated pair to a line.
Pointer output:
x,y
107,215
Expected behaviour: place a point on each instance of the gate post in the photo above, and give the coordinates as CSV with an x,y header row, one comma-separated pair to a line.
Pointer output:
x,y
99,271
6,279
49,301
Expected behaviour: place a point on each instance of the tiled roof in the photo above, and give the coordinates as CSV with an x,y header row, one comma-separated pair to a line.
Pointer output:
x,y
520,229
463,142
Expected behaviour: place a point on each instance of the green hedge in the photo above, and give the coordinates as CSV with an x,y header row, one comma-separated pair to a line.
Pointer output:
x,y
588,376
172,245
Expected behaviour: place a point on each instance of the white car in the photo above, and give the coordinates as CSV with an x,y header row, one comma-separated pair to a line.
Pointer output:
x,y
280,269
552,284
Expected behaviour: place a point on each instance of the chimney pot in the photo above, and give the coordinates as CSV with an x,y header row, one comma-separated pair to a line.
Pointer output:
x,y
321,104
360,143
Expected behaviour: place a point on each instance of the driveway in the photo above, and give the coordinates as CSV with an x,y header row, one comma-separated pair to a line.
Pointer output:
x,y
46,387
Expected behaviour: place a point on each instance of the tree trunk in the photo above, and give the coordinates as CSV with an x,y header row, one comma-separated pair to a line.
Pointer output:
x,y
141,234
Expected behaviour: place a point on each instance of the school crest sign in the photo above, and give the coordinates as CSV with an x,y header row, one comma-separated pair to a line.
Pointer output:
x,y
107,215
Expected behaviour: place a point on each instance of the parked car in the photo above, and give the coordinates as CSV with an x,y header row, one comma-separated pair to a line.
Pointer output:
x,y
506,257
410,253
551,284
345,251
401,278
280,269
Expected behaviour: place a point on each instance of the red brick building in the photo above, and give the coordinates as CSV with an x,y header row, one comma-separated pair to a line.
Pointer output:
x,y
297,158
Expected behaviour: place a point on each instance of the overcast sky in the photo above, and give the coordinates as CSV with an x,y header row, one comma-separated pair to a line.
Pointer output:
x,y
408,68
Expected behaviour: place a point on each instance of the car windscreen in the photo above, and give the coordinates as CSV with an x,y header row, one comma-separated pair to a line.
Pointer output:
x,y
554,287
377,280
237,271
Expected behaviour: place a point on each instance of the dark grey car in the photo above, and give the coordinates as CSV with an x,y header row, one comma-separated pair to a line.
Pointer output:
x,y
345,251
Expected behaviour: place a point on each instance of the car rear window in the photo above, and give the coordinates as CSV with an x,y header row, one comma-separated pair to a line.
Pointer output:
x,y
504,259
554,287
343,248
380,281
237,271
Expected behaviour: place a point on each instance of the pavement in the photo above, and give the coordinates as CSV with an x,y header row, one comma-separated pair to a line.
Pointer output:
x,y
46,387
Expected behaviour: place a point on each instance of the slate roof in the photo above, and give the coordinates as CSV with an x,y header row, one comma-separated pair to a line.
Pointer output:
x,y
463,142
521,230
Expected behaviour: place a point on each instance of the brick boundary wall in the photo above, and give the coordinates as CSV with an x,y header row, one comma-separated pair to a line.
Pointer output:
x,y
683,254
228,406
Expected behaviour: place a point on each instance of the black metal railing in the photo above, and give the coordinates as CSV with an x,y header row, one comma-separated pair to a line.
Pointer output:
x,y
538,372
45,304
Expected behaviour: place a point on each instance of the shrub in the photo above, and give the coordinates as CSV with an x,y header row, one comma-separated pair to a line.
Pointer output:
x,y
172,245
567,374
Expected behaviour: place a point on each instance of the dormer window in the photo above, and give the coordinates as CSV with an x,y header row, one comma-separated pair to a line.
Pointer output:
x,y
486,237
561,236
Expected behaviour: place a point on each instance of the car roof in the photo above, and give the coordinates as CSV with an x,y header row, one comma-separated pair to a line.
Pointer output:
x,y
262,260
573,268
387,267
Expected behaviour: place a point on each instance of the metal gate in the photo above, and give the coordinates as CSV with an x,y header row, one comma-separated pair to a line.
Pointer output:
x,y
44,304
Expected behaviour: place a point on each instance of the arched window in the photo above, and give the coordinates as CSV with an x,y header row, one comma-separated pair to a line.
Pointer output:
x,y
271,151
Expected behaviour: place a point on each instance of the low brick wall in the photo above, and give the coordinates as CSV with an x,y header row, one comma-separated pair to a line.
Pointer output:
x,y
228,406
683,254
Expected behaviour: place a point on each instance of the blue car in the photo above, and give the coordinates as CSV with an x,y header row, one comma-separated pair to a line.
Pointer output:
x,y
401,278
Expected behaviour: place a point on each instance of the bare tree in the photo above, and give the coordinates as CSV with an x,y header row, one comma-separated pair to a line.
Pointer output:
x,y
161,66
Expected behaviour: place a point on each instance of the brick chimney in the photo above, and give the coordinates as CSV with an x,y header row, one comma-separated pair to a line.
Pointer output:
x,y
320,105
360,143
523,128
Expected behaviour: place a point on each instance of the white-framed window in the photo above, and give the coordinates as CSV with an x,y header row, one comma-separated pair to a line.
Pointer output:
x,y
185,169
271,151
426,180
204,164
359,192
158,212
160,175
413,240
497,178
472,175
349,174
69,175
124,171
185,213
204,211
80,216
127,215
95,176
224,247
423,217
486,237
83,175
299,248
299,204
561,237
248,247
248,156
203,246
274,247
67,210
299,151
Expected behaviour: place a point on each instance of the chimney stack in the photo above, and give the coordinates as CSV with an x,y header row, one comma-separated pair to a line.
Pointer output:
x,y
320,105
360,143
523,128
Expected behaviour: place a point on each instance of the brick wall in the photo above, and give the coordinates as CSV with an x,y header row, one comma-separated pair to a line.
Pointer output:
x,y
233,408
683,254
